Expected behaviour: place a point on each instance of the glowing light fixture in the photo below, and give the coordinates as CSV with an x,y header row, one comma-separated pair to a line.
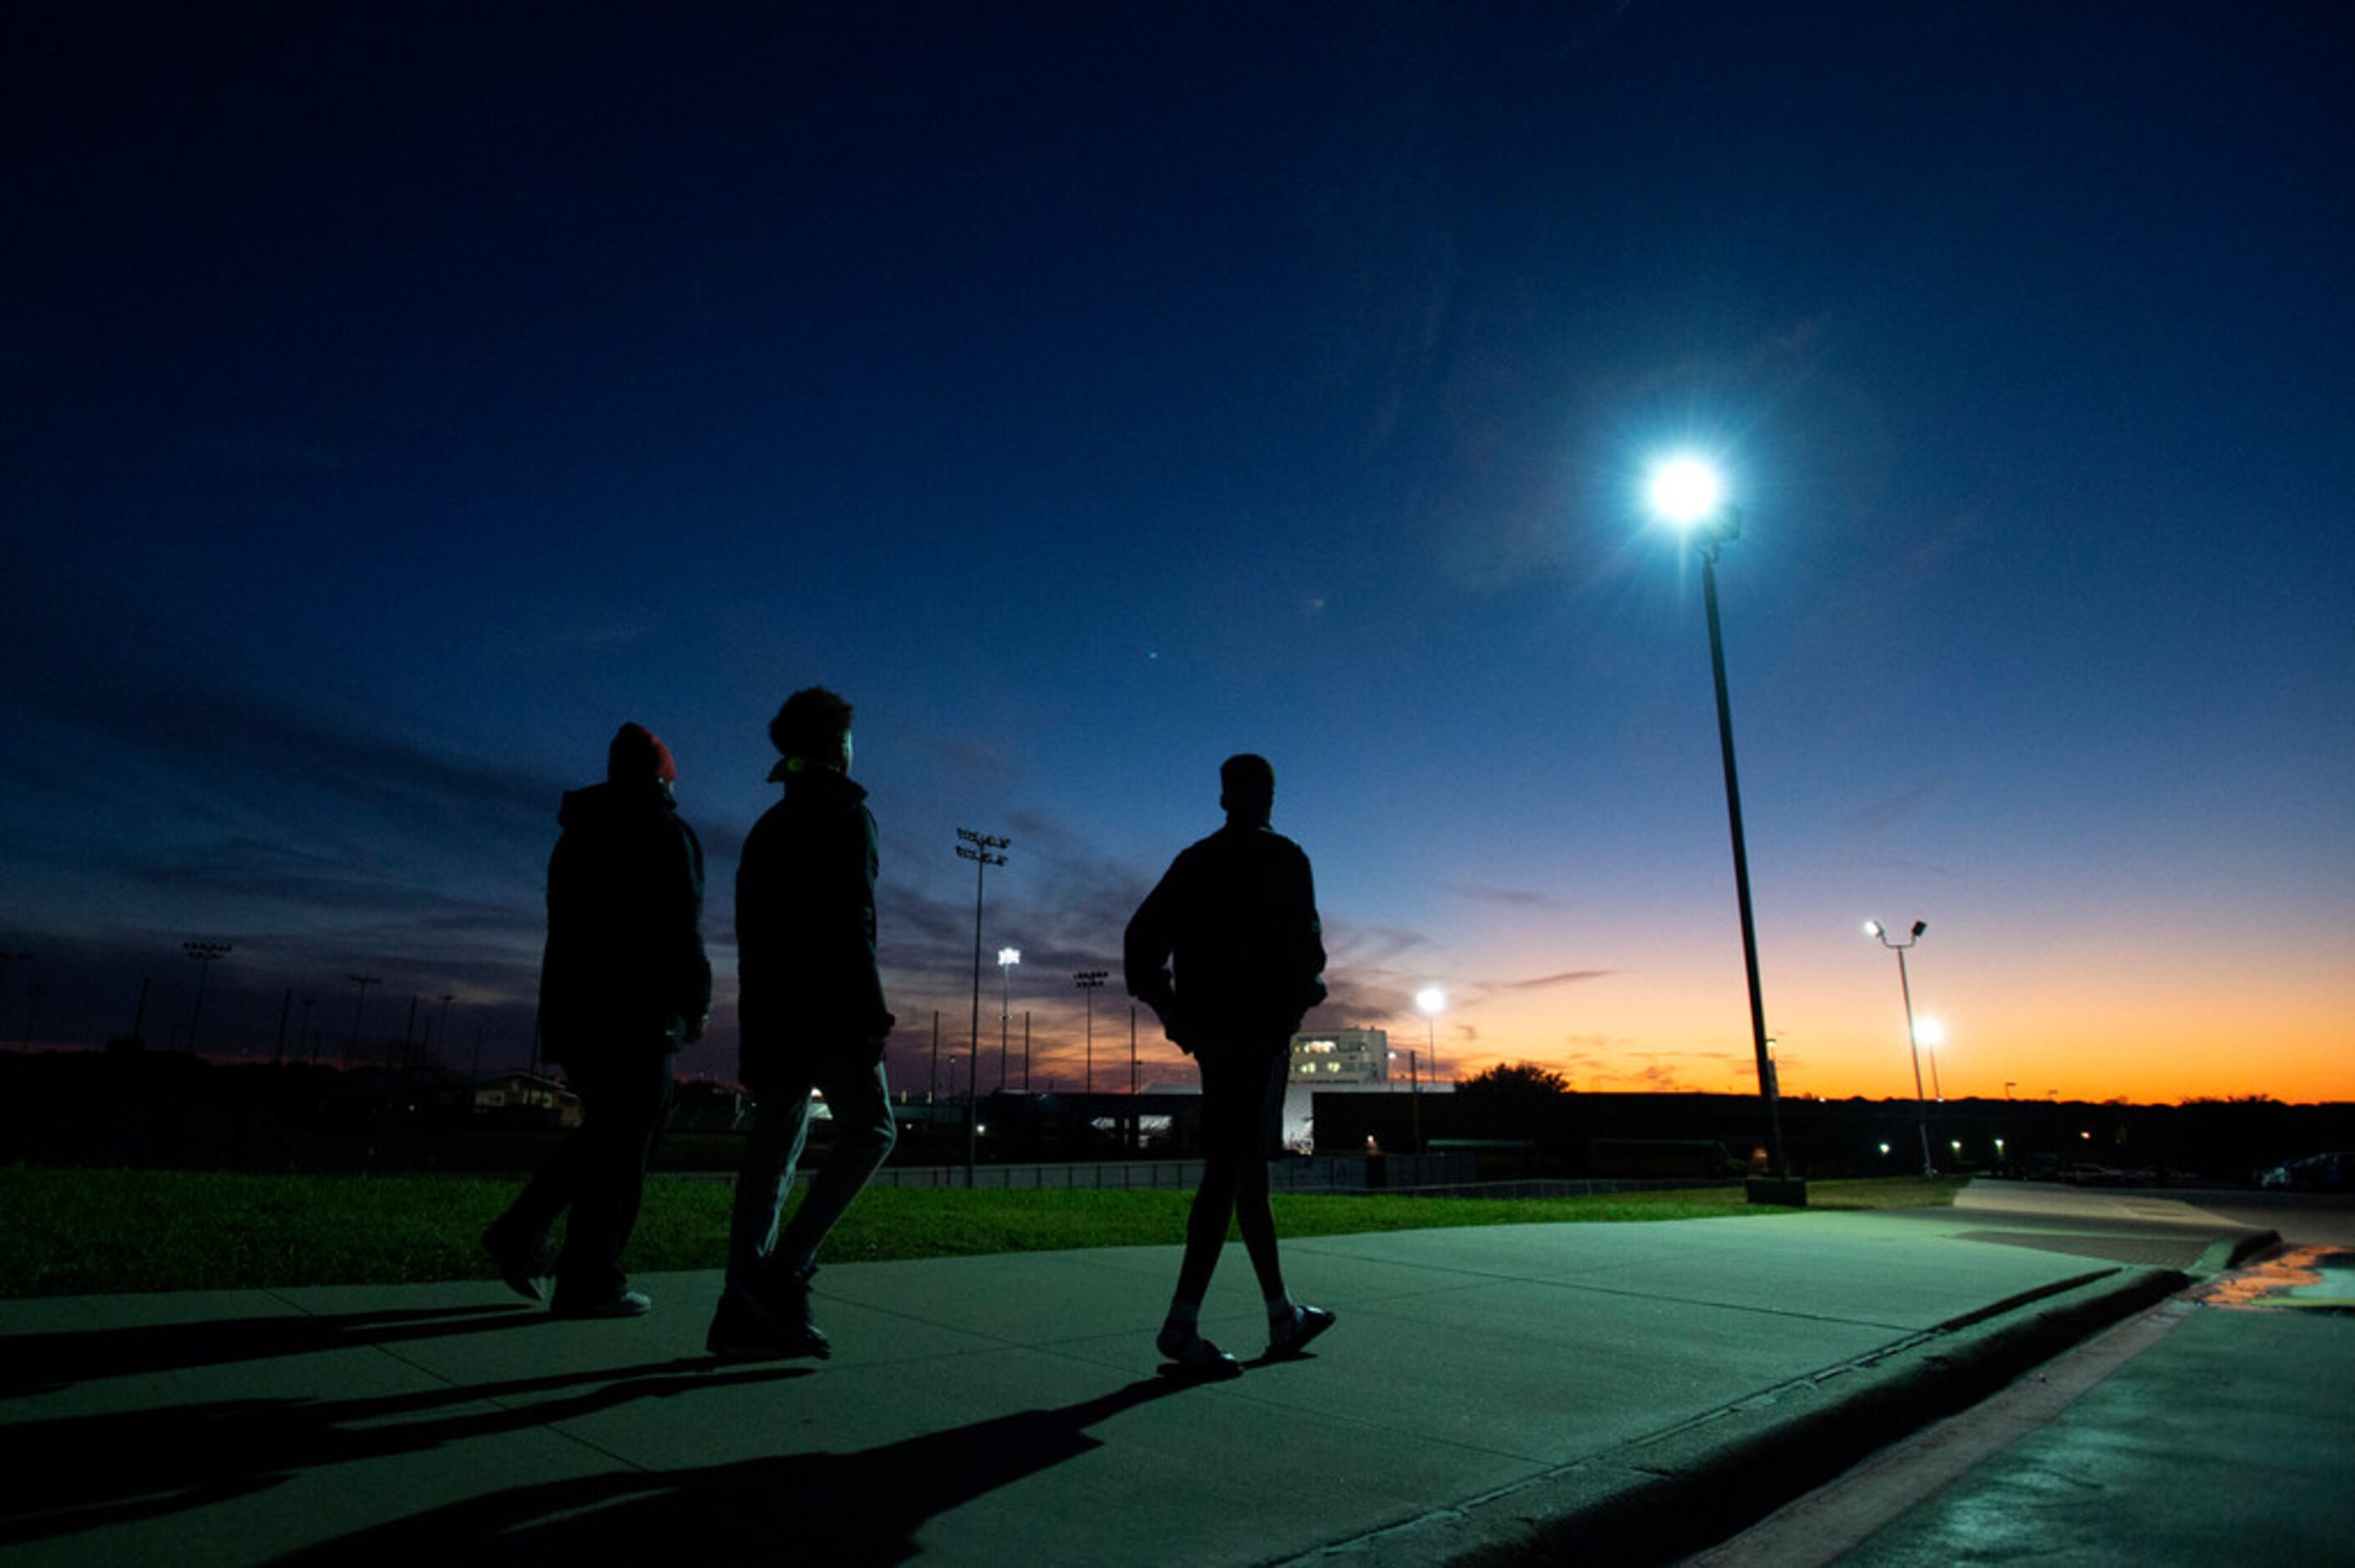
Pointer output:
x,y
1684,489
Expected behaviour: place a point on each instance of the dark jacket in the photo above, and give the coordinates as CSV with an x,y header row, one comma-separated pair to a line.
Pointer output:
x,y
625,967
805,929
1236,915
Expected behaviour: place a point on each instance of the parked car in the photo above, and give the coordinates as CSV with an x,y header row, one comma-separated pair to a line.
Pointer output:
x,y
2332,1172
2084,1175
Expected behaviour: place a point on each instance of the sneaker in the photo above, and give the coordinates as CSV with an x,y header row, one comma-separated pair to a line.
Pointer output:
x,y
522,1263
783,1302
1288,1337
742,1330
1190,1355
621,1304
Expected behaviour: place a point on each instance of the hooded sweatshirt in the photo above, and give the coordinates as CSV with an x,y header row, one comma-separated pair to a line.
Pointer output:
x,y
624,967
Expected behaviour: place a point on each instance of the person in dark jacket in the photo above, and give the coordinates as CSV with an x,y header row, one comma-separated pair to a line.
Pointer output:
x,y
623,984
810,1008
1236,917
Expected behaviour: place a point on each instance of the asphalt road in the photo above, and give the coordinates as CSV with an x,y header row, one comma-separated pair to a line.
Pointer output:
x,y
2214,1428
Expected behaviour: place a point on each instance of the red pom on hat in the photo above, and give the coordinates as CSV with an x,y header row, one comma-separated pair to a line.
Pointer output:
x,y
638,752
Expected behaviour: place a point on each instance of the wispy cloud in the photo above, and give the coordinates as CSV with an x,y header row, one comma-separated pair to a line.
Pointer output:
x,y
1889,813
1511,897
1566,977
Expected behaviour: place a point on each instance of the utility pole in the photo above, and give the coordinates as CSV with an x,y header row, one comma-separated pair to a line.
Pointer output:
x,y
285,1012
984,849
207,954
1087,981
1132,1047
1026,1049
932,1096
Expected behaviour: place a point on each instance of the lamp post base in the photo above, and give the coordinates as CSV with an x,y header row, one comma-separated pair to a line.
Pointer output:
x,y
1782,1192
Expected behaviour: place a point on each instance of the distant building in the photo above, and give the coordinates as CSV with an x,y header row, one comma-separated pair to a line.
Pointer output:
x,y
512,1096
1327,1056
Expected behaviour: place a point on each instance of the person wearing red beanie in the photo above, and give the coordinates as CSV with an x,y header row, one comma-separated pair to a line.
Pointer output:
x,y
624,983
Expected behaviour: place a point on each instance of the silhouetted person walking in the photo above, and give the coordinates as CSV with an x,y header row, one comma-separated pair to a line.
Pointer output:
x,y
624,982
812,1016
1236,913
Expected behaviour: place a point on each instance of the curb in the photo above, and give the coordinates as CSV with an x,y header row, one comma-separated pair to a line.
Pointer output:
x,y
2223,1257
1660,1498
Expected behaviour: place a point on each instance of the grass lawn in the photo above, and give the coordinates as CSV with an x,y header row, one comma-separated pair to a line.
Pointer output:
x,y
99,1231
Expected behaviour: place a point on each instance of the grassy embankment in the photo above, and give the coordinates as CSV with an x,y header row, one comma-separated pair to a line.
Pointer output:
x,y
92,1232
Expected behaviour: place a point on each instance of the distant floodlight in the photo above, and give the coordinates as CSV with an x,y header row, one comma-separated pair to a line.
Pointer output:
x,y
1872,928
1431,1000
1685,490
1009,955
1930,1032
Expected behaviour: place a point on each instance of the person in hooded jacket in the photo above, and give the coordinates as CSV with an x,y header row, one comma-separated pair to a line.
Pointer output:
x,y
624,982
810,1008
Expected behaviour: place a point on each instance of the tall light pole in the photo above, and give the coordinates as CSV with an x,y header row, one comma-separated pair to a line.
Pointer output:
x,y
207,954
1912,1039
985,851
363,982
1687,493
1007,958
1087,981
1431,1002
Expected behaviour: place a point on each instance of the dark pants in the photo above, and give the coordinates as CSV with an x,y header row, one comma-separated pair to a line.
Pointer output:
x,y
1243,1122
599,1169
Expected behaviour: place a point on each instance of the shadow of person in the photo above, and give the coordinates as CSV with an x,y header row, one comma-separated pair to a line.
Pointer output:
x,y
78,1472
856,1508
42,1364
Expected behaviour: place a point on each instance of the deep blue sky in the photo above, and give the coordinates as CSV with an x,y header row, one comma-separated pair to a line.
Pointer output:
x,y
403,396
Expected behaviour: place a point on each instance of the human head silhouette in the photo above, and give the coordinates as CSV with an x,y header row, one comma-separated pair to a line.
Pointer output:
x,y
1247,788
812,729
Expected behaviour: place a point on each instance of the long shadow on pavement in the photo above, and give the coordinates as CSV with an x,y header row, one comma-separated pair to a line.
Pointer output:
x,y
42,1363
856,1508
78,1473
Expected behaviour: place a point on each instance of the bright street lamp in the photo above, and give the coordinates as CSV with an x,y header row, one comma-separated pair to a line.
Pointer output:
x,y
1912,1037
1431,1002
1684,489
1007,958
1686,493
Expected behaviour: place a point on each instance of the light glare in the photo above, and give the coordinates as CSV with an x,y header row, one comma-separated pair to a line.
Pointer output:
x,y
1685,490
1431,1000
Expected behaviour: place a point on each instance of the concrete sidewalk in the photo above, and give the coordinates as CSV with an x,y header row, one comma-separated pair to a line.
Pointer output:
x,y
1648,1387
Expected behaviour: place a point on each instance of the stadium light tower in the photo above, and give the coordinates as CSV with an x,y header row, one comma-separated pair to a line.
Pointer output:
x,y
1686,493
1007,958
1087,981
985,851
207,954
